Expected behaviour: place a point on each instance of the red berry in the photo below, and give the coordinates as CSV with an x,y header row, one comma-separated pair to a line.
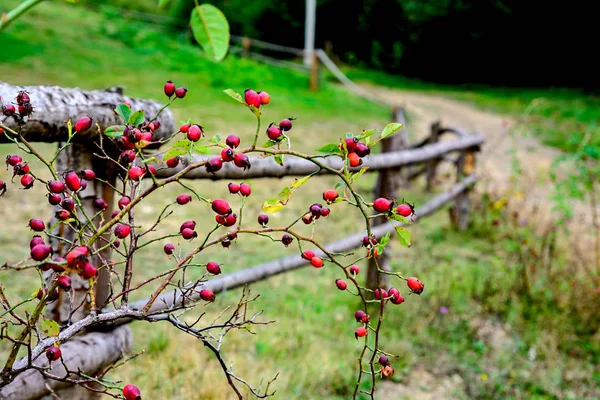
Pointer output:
x,y
330,195
287,239
40,252
88,175
384,361
226,243
184,128
127,157
274,133
233,188
83,124
100,204
232,141
88,272
359,315
76,257
397,298
116,243
227,154
183,199
245,189
22,169
387,371
169,248
362,149
131,392
308,254
53,353
37,224
325,211
194,133
341,284
151,169
360,332
68,204
57,264
122,231
380,294
214,164
135,173
405,210
169,89
241,161
22,97
315,209
63,215
213,268
354,160
56,187
2,187
221,207
207,295
351,144
317,262
392,291
228,220
13,159
64,282
188,234
415,285
263,219
354,270
180,92
252,98
124,202
172,162
54,198
285,124
369,241
8,110
114,214
264,98
382,205
187,224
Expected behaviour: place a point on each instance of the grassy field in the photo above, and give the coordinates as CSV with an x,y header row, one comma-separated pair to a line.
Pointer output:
x,y
471,279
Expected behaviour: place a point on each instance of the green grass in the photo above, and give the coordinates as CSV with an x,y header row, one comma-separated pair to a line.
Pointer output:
x,y
311,344
559,117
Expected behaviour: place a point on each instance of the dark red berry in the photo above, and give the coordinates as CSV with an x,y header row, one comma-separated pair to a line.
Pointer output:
x,y
382,205
64,282
285,124
325,211
83,185
88,175
308,218
183,199
187,225
405,210
213,268
221,207
228,220
172,162
315,209
233,188
53,353
83,124
396,297
114,214
37,239
317,262
57,264
2,187
22,169
380,294
226,243
214,164
124,202
362,149
23,97
330,195
180,92
169,249
341,284
287,239
354,270
40,252
54,198
308,254
188,234
241,161
415,285
354,160
360,332
184,128
351,144
245,189
68,204
207,295
56,186
63,215
76,257
100,204
232,141
359,315
274,133
37,224
88,272
13,160
169,89
227,154
194,133
72,181
127,156
8,110
264,98
384,361
263,219
116,243
369,241
252,98
135,173
131,392
25,109
122,231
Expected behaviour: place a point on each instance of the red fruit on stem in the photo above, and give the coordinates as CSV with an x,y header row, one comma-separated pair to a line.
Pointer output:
x,y
241,161
187,225
285,124
415,285
127,156
233,188
369,241
330,195
397,298
359,315
37,224
317,262
274,133
151,169
221,207
116,243
308,254
252,98
13,160
341,284
22,169
263,219
405,210
64,282
188,234
135,173
183,199
172,162
73,181
361,331
88,175
382,205
8,110
35,240
354,160
380,294
354,270
63,215
287,239
194,133
351,144
40,252
180,92
169,89
264,98
226,243
213,268
214,164
230,220
308,218
169,249
53,353
54,198
184,128
23,97
131,392
387,371
325,211
227,154
207,295
122,231
88,272
100,204
83,124
124,202
384,361
2,187
68,204
245,189
57,264
391,291
362,149
232,141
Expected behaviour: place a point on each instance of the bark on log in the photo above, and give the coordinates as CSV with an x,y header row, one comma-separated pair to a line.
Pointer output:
x,y
293,166
54,105
89,353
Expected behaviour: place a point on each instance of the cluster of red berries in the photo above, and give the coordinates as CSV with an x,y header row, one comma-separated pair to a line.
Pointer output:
x,y
315,211
24,106
77,260
171,90
385,205
353,270
187,231
276,132
315,261
133,137
225,215
254,99
386,368
21,169
356,150
243,189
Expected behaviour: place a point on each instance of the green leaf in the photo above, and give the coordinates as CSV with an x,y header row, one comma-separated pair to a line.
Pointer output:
x,y
368,133
339,184
331,148
215,139
398,217
349,135
285,195
114,131
162,3
279,159
385,239
269,143
358,174
234,95
299,182
123,111
403,236
390,129
50,328
211,30
271,206
137,118
202,149
180,148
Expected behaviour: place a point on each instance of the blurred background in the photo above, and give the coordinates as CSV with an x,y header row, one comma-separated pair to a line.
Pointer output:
x,y
511,306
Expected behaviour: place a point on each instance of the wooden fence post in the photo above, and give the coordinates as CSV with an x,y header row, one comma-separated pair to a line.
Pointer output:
x,y
314,73
432,167
388,182
460,213
246,44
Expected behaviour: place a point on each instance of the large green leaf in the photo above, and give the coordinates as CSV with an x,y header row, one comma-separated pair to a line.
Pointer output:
x,y
390,129
211,30
403,236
